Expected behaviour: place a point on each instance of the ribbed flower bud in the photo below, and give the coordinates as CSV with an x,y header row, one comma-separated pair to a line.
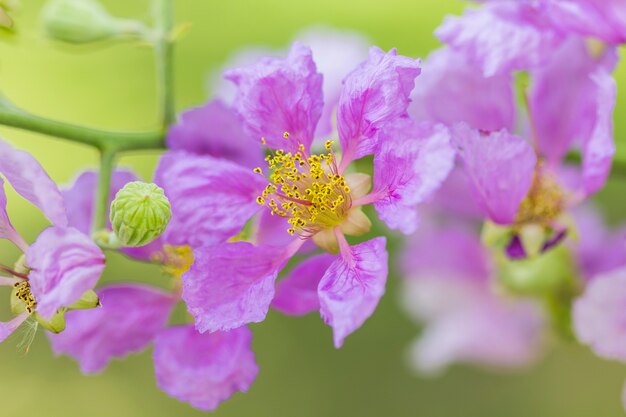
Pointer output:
x,y
84,21
139,213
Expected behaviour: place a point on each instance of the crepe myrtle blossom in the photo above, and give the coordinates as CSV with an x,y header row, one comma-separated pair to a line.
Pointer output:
x,y
467,318
201,369
520,181
506,35
60,267
305,196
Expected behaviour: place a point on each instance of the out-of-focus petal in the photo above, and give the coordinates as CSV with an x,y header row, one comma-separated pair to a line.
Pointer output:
x,y
500,167
599,148
7,231
374,94
491,335
350,289
412,163
211,198
7,328
602,19
64,265
599,315
130,317
30,181
296,294
204,369
231,284
564,116
280,95
80,197
451,90
216,130
502,36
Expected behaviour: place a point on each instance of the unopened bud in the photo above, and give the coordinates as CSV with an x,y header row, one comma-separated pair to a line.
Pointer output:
x,y
85,21
140,213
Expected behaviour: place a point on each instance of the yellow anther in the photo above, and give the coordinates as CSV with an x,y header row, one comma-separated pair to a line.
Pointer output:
x,y
329,144
258,170
286,135
260,200
263,141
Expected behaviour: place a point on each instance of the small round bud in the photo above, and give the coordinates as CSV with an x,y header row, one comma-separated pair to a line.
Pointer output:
x,y
139,213
85,21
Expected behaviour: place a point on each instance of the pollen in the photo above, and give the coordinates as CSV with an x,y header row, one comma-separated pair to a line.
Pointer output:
x,y
176,260
23,293
307,190
543,203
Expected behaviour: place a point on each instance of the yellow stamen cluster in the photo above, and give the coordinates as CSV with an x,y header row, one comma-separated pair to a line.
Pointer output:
x,y
306,189
176,260
22,292
543,203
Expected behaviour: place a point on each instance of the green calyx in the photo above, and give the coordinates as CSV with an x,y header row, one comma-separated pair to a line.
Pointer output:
x,y
140,213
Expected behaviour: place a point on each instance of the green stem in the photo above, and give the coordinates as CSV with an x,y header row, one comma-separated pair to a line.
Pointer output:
x,y
164,49
100,139
107,161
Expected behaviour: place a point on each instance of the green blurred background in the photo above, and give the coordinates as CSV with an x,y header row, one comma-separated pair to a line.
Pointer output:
x,y
301,373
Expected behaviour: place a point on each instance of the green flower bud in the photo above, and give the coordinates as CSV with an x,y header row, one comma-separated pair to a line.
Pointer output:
x,y
85,21
140,213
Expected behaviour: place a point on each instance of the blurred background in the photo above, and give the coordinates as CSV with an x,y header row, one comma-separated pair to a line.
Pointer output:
x,y
301,374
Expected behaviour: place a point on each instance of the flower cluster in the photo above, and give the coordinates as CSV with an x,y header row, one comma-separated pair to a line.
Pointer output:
x,y
484,157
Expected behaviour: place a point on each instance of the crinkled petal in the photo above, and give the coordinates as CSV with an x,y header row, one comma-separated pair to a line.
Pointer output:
x,y
492,335
563,116
500,168
599,148
64,264
275,96
599,315
8,327
7,231
80,197
374,94
216,130
412,163
129,319
502,36
231,284
602,19
211,198
30,181
296,294
204,369
350,289
452,90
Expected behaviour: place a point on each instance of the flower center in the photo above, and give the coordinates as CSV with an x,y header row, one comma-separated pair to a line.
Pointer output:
x,y
307,190
176,260
543,203
22,292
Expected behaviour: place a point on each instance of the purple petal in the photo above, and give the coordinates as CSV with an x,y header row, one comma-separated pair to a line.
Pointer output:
x,y
81,196
599,148
204,369
30,181
488,334
296,294
337,53
8,327
560,116
231,284
374,94
7,231
600,313
500,167
280,95
502,36
352,286
64,264
214,129
411,165
130,317
603,19
211,199
451,90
